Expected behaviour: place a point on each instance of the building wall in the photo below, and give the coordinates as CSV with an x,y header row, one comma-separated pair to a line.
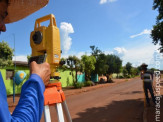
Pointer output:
x,y
95,78
9,83
66,79
81,77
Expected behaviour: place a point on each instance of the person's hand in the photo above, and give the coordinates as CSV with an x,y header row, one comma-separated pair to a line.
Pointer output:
x,y
43,70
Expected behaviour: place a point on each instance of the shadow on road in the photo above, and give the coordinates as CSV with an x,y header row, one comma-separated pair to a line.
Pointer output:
x,y
133,92
117,111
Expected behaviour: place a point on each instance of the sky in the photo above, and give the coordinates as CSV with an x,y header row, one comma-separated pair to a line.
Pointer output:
x,y
120,27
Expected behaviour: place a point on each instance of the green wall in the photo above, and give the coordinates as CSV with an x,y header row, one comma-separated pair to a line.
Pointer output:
x,y
66,79
9,83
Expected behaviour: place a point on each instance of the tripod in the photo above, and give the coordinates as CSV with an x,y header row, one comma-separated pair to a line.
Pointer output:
x,y
54,96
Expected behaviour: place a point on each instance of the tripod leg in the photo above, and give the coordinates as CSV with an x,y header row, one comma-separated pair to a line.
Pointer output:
x,y
47,114
66,111
60,112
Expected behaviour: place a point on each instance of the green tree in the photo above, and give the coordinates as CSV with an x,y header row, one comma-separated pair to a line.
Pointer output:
x,y
74,64
153,69
114,65
157,31
63,67
89,65
125,72
111,64
6,54
134,71
78,66
100,65
95,51
28,57
118,66
128,68
139,68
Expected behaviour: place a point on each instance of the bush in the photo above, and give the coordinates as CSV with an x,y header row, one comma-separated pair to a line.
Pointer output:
x,y
110,81
128,76
133,76
89,83
78,85
121,77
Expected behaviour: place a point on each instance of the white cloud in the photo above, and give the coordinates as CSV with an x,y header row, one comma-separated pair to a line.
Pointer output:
x,y
146,31
20,58
119,51
110,1
105,1
144,53
139,54
106,52
66,41
77,54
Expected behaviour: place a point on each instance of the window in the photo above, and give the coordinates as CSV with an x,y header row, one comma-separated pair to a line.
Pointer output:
x,y
9,74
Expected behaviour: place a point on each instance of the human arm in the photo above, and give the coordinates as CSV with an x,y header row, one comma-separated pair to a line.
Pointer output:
x,y
30,105
142,75
31,101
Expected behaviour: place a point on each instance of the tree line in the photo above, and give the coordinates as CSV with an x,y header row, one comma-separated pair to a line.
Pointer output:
x,y
99,63
96,63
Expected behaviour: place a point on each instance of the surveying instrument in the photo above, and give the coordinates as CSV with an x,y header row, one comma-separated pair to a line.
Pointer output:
x,y
45,44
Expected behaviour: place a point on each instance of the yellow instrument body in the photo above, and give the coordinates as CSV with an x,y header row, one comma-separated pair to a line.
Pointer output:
x,y
46,40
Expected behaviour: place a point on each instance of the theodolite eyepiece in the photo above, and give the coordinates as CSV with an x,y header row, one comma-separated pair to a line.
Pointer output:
x,y
37,37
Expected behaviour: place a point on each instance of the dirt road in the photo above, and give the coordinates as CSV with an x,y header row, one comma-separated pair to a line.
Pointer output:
x,y
120,103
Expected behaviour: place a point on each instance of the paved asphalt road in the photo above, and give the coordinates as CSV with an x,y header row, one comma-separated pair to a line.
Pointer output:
x,y
119,103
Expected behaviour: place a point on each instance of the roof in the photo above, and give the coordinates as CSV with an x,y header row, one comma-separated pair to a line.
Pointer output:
x,y
21,63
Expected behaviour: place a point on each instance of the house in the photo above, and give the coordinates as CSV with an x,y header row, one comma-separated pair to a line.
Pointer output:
x,y
8,74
